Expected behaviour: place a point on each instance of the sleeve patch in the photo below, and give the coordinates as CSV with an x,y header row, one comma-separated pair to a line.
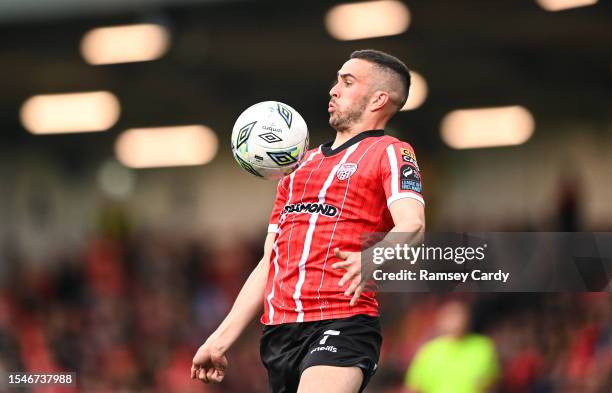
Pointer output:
x,y
410,179
409,157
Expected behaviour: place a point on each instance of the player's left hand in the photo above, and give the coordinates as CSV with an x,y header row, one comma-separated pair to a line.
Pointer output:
x,y
352,264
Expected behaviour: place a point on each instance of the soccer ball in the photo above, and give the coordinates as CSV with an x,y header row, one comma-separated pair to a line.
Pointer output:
x,y
269,139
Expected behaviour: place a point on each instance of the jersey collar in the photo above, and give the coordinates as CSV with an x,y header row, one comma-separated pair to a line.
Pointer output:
x,y
328,151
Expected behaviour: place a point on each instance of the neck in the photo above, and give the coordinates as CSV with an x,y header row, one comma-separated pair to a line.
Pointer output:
x,y
355,129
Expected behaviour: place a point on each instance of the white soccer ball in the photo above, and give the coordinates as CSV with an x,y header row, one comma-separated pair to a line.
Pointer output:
x,y
269,139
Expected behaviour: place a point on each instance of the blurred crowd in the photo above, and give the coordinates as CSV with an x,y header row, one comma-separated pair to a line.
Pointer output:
x,y
545,343
127,311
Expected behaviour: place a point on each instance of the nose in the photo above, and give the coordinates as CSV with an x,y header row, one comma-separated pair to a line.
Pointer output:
x,y
333,92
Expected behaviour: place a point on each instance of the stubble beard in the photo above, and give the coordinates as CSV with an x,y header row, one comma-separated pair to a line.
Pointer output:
x,y
342,121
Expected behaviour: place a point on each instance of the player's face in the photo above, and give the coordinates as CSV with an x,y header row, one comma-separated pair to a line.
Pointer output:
x,y
350,94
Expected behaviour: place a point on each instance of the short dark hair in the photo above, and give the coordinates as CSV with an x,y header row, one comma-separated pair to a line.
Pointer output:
x,y
387,62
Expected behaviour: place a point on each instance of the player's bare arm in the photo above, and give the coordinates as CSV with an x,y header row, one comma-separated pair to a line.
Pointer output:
x,y
408,218
209,362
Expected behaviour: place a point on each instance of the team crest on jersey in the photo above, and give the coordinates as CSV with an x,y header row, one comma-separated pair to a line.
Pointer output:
x,y
346,170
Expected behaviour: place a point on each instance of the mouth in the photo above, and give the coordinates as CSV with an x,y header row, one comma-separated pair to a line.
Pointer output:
x,y
330,107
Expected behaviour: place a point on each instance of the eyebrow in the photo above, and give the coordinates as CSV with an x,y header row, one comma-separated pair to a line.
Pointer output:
x,y
346,75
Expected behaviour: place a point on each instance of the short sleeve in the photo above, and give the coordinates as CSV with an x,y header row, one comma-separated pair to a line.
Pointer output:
x,y
400,173
282,193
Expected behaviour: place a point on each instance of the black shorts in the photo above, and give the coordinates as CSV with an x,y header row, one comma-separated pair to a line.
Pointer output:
x,y
288,349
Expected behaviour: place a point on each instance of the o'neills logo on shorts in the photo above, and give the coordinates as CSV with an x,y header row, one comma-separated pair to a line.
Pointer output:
x,y
312,208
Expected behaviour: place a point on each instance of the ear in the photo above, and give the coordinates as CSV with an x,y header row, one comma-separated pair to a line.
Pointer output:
x,y
378,100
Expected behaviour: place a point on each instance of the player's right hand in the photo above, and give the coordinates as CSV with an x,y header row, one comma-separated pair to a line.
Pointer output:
x,y
208,364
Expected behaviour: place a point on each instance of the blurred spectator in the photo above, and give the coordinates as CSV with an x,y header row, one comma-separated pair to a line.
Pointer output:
x,y
457,361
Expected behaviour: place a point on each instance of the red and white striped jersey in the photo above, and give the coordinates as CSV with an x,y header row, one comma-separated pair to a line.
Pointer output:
x,y
329,201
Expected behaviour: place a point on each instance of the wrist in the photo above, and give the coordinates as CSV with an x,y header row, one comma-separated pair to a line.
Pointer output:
x,y
218,342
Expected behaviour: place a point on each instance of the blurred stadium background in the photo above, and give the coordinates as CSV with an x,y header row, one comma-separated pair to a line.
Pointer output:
x,y
121,249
